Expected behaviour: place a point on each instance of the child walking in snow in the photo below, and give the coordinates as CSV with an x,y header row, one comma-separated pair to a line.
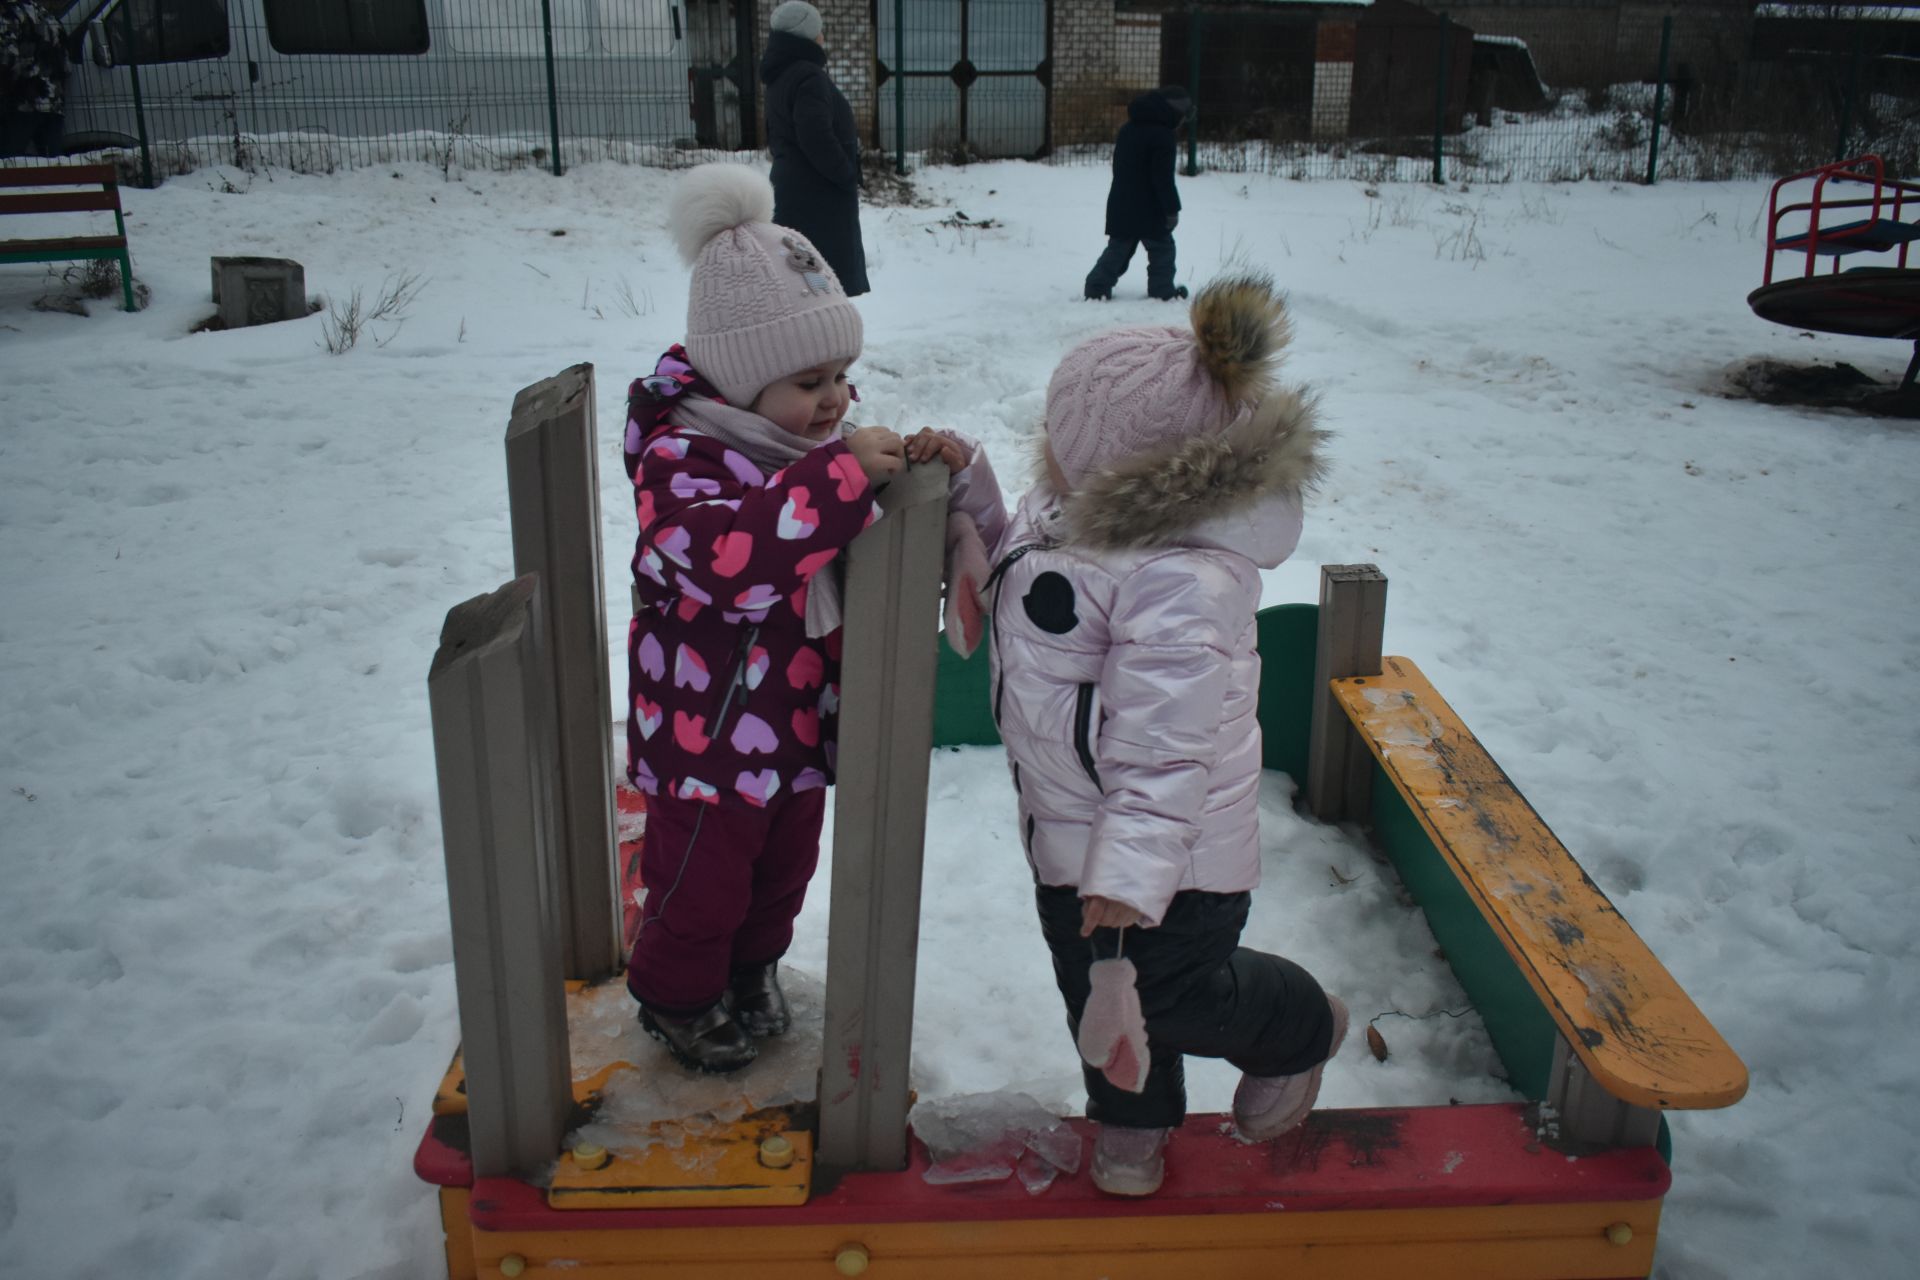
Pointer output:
x,y
747,488
1125,684
1143,207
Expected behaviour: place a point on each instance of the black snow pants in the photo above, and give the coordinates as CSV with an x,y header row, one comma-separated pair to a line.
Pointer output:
x,y
1201,992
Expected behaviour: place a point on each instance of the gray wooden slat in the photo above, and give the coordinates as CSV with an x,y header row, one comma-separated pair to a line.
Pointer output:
x,y
553,488
491,743
1353,613
1587,1113
880,808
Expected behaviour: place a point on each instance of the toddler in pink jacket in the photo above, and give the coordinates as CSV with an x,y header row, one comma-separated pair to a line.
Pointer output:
x,y
1125,683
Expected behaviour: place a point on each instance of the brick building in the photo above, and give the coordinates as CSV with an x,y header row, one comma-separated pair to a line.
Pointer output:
x,y
1017,77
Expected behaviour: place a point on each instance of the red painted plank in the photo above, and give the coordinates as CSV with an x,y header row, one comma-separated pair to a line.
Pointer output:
x,y
58,175
1393,1158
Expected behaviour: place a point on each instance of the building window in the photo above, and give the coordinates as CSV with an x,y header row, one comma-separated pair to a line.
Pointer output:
x,y
347,26
581,28
143,32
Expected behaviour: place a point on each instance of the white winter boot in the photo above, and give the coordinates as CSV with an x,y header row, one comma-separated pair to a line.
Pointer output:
x,y
1129,1162
1267,1106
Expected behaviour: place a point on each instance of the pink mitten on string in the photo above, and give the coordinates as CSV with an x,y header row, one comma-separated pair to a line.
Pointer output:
x,y
964,616
1113,1031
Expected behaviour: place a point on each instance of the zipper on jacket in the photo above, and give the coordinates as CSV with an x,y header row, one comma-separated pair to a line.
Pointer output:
x,y
993,615
1082,734
736,679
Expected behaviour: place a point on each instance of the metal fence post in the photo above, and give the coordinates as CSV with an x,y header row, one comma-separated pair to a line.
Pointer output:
x,y
139,107
899,88
1353,614
553,96
553,493
492,752
1659,97
879,824
1853,87
1440,101
1193,93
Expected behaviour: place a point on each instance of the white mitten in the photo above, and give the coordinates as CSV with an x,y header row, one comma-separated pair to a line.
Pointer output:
x,y
1113,1031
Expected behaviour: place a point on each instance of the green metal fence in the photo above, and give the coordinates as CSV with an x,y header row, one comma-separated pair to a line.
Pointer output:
x,y
1481,90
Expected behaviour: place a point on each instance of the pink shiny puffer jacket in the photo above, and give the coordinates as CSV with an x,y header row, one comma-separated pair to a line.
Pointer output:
x,y
1125,680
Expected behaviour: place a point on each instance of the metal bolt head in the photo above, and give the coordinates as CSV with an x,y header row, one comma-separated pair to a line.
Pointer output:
x,y
776,1152
851,1260
589,1156
1620,1233
512,1265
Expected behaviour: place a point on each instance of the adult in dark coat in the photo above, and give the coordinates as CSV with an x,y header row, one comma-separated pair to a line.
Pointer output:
x,y
816,152
1142,206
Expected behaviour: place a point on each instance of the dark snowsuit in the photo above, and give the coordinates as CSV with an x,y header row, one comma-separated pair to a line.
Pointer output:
x,y
1142,205
1201,993
816,155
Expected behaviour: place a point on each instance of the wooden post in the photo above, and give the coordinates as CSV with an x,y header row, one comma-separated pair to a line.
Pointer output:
x,y
553,490
879,824
1353,616
1588,1113
492,750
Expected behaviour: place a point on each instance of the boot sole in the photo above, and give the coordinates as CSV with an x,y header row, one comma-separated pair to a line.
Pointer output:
x,y
1122,1185
1261,1132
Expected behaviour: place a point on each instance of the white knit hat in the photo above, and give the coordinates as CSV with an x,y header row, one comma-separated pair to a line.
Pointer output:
x,y
799,17
763,303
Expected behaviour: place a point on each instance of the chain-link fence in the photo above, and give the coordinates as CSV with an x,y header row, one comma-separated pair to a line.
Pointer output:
x,y
1484,90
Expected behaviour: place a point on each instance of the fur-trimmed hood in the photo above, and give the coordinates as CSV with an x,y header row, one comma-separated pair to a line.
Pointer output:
x,y
1204,490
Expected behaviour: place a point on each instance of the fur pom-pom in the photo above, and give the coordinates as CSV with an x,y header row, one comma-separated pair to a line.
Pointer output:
x,y
713,198
1240,325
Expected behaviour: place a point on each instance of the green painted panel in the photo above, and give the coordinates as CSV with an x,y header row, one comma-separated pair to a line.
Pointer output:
x,y
1523,1034
1288,638
963,699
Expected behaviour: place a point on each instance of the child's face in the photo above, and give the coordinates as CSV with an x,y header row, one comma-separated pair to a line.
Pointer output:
x,y
809,403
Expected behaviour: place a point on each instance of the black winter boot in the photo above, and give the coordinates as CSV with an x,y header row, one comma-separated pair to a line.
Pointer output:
x,y
1098,293
711,1042
1168,295
758,1003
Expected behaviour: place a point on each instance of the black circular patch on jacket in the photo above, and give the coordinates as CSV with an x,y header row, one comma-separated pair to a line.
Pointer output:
x,y
1049,602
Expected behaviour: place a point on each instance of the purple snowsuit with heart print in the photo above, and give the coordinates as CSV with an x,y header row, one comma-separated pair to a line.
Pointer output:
x,y
732,707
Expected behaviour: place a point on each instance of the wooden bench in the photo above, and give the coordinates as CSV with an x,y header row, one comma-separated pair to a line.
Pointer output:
x,y
1619,1042
69,188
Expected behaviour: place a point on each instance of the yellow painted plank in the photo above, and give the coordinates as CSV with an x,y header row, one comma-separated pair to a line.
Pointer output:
x,y
1507,1242
459,1230
1633,1028
694,1165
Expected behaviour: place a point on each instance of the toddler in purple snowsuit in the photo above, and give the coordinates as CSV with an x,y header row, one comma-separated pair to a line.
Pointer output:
x,y
1125,689
747,487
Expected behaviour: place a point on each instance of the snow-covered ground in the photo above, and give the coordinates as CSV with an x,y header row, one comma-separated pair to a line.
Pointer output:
x,y
1683,623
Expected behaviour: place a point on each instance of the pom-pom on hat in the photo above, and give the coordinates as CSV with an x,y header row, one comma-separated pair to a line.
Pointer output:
x,y
763,303
799,17
1134,391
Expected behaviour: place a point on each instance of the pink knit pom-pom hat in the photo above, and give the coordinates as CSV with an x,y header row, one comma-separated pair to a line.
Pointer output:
x,y
763,303
1134,391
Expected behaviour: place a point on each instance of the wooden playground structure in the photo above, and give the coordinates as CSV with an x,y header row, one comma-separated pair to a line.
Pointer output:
x,y
1590,1027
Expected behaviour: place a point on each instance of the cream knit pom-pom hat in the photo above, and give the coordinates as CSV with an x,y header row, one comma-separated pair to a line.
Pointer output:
x,y
763,303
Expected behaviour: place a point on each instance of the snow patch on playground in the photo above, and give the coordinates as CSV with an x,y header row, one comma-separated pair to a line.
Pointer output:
x,y
226,991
